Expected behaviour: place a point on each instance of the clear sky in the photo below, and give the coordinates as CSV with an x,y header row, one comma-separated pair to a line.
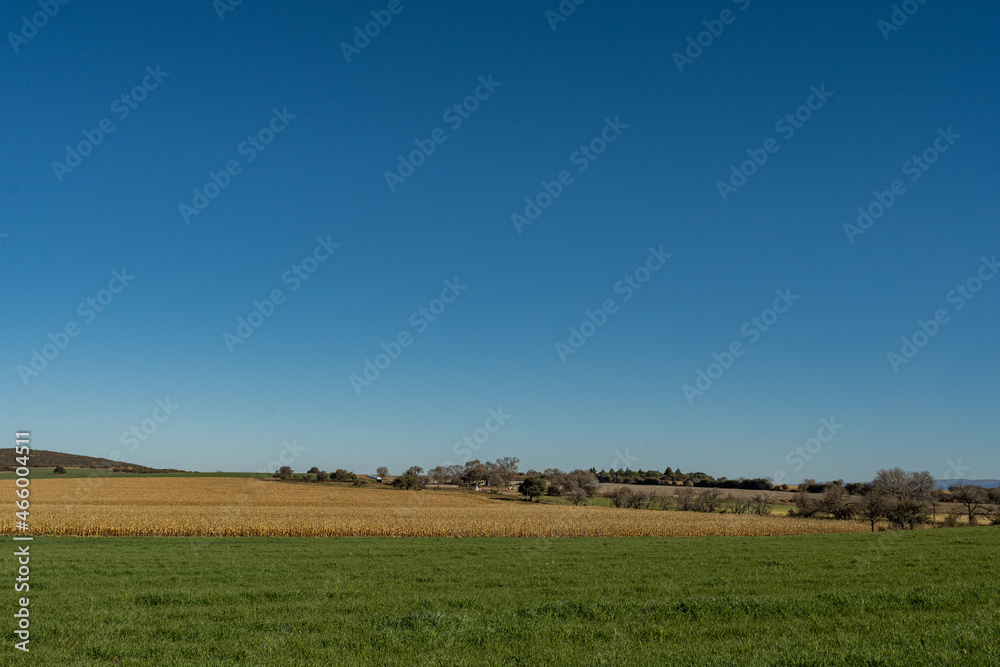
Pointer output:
x,y
631,126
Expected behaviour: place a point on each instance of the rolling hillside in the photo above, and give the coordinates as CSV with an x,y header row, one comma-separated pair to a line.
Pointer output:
x,y
40,458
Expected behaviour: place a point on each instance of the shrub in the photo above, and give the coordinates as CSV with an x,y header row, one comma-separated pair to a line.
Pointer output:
x,y
407,482
578,496
532,487
626,497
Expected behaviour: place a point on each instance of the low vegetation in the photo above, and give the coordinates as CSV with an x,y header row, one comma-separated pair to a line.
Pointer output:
x,y
892,599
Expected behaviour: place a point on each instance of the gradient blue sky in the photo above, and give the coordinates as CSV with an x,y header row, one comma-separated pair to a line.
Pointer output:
x,y
620,395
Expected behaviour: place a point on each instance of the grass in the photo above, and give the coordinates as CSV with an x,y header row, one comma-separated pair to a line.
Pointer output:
x,y
925,597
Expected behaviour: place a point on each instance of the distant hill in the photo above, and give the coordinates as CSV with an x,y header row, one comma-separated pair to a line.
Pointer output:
x,y
985,483
40,458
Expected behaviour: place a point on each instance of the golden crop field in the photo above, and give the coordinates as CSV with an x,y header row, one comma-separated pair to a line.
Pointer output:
x,y
216,506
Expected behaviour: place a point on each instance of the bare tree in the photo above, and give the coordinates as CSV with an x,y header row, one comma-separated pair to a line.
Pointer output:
x,y
709,500
735,505
578,496
974,498
454,473
686,498
623,496
837,502
504,470
760,504
582,479
806,504
382,471
438,475
873,507
908,494
994,510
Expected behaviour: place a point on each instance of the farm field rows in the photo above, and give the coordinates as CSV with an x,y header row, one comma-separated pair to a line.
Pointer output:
x,y
889,599
250,507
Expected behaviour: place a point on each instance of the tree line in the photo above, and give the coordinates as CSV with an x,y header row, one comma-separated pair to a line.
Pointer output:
x,y
904,499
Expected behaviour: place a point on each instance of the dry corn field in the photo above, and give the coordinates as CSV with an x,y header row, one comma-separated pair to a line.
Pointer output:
x,y
215,506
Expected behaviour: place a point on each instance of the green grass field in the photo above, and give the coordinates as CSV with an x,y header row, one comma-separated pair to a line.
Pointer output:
x,y
918,598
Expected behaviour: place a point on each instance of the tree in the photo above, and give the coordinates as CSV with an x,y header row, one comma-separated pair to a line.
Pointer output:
x,y
284,472
994,510
408,482
504,469
709,500
322,476
623,496
556,479
974,498
416,471
686,498
836,501
581,479
907,495
474,473
341,475
59,471
873,507
578,496
735,505
381,471
760,504
532,487
313,470
805,504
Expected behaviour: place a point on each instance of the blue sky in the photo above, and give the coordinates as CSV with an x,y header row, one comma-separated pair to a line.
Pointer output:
x,y
617,400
